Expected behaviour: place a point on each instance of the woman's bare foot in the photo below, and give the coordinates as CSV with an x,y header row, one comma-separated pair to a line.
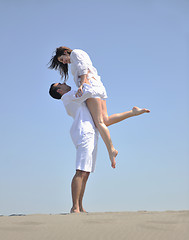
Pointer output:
x,y
112,157
74,210
137,111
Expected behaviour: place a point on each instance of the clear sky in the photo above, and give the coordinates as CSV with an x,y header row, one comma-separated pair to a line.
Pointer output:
x,y
141,51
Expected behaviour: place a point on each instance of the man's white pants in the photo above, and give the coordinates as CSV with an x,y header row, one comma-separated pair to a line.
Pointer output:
x,y
86,153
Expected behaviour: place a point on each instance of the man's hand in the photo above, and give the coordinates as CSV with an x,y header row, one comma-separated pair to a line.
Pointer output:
x,y
79,92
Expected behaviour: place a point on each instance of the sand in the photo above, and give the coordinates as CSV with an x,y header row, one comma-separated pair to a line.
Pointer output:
x,y
140,225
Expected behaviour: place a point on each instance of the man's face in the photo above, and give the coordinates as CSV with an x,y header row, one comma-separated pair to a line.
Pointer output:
x,y
63,88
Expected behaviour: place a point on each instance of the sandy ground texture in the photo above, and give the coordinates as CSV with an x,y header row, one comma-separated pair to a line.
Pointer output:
x,y
170,225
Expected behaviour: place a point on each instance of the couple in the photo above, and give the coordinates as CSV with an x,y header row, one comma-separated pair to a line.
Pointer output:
x,y
87,106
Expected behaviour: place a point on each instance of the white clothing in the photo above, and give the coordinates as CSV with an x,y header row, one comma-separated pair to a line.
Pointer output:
x,y
99,90
81,64
83,132
86,153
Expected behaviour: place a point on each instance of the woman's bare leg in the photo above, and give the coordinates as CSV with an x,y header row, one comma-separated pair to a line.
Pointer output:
x,y
118,117
95,107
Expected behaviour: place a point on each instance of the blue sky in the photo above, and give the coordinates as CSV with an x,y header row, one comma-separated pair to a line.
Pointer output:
x,y
141,51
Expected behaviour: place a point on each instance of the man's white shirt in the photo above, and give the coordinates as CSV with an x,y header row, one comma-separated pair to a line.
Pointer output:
x,y
76,108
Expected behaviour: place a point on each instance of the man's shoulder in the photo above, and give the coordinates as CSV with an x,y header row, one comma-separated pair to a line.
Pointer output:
x,y
68,96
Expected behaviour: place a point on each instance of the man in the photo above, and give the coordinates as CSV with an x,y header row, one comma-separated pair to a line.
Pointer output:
x,y
84,135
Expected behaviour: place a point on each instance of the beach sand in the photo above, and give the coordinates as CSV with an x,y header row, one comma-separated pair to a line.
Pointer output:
x,y
140,225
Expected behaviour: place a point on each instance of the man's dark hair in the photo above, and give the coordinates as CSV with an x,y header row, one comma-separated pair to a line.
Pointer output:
x,y
53,92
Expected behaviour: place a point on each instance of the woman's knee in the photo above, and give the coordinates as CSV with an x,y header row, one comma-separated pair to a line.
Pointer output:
x,y
99,121
106,120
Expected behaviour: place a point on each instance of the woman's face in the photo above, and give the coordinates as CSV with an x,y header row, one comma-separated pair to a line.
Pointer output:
x,y
64,58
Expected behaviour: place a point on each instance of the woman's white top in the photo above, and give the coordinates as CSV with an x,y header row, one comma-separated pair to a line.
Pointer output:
x,y
81,64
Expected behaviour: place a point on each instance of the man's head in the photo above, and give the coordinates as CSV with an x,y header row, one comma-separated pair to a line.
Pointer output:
x,y
57,90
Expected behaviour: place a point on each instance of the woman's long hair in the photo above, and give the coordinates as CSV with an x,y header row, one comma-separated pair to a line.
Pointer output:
x,y
55,64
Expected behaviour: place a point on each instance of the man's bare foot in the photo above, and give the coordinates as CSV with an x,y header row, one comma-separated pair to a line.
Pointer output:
x,y
137,111
112,158
74,210
82,210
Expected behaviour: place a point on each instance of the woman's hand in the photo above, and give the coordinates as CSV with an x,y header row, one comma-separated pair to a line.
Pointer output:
x,y
79,92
